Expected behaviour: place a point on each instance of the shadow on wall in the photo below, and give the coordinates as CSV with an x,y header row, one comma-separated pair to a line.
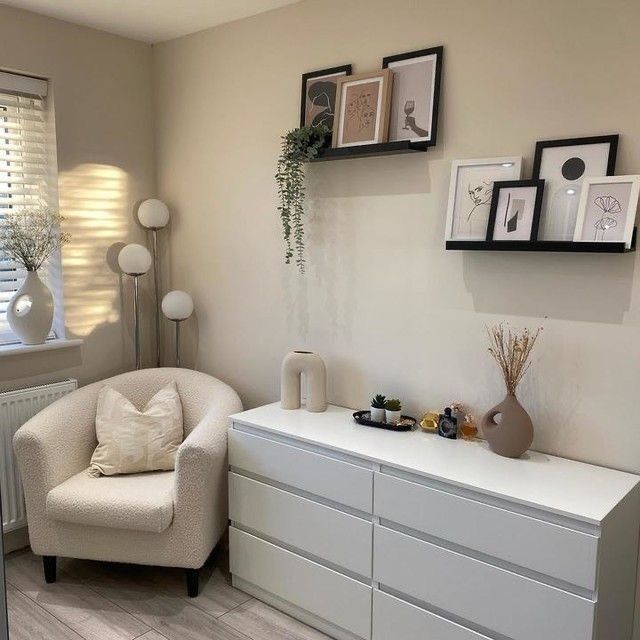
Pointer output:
x,y
584,287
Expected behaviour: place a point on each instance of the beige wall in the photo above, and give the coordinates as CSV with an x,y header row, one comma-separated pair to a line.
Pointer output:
x,y
383,303
102,88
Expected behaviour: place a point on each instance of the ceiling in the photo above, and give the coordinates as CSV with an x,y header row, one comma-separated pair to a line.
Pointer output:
x,y
149,20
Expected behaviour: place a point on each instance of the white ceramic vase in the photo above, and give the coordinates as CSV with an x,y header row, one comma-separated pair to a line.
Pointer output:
x,y
392,417
377,414
30,311
312,366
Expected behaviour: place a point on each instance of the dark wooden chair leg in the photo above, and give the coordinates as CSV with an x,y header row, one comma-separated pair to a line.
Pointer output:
x,y
193,582
49,564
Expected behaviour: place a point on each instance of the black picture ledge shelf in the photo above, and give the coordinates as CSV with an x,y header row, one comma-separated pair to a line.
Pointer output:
x,y
371,150
540,245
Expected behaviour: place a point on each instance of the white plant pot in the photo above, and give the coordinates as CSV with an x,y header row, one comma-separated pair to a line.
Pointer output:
x,y
392,417
377,415
30,311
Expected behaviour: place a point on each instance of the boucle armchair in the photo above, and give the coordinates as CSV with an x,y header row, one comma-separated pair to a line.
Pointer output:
x,y
166,518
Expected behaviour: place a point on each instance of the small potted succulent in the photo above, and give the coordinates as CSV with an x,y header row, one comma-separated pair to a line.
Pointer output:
x,y
377,408
393,411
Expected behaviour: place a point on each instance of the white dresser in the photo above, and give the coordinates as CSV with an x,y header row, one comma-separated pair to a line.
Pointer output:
x,y
365,533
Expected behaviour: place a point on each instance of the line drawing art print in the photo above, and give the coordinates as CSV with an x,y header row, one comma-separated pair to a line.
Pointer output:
x,y
609,206
480,196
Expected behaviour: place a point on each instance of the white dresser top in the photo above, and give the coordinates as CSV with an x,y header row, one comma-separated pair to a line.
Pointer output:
x,y
555,484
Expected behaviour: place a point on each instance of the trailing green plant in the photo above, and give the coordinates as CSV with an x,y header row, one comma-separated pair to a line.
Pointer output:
x,y
378,401
393,404
298,146
30,236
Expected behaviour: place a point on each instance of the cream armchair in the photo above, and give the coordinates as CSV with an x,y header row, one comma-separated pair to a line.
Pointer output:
x,y
167,518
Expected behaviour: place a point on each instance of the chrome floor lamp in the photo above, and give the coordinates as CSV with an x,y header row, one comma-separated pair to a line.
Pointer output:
x,y
135,261
177,306
154,215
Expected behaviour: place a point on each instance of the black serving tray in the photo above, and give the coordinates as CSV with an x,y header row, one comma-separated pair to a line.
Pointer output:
x,y
364,418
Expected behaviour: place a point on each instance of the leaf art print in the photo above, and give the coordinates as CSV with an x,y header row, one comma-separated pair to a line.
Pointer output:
x,y
608,205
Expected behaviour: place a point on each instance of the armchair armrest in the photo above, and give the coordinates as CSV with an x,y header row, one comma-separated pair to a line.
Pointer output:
x,y
57,442
201,473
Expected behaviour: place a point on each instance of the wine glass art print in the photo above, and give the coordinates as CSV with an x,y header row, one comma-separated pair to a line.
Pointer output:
x,y
416,90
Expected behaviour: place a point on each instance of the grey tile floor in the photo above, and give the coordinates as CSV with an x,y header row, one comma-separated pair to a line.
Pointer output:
x,y
103,601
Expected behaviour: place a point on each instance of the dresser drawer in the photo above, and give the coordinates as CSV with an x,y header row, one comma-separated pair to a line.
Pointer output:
x,y
310,586
549,549
490,597
334,480
394,619
331,535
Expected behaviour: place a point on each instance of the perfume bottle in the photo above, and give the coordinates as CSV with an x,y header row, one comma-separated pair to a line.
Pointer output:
x,y
448,425
469,430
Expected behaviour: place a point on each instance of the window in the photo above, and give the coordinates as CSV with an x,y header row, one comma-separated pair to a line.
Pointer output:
x,y
28,178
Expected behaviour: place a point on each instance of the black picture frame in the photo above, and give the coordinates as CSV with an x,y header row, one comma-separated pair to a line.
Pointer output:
x,y
439,53
538,184
612,140
345,69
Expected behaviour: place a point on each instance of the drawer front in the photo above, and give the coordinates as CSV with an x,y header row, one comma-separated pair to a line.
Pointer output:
x,y
334,480
492,598
331,535
549,549
342,601
394,619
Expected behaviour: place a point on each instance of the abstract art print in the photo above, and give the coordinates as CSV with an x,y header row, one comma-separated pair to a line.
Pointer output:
x,y
471,192
318,96
362,109
607,210
416,93
564,165
515,210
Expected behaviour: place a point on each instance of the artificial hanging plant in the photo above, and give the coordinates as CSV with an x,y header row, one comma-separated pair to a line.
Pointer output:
x,y
298,146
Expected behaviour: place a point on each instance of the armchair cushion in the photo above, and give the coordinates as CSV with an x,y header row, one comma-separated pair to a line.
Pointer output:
x,y
131,441
139,502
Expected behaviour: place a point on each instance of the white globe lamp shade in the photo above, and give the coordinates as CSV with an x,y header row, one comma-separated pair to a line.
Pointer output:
x,y
153,214
177,305
134,259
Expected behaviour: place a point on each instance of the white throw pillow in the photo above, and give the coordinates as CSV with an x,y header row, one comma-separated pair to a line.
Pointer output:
x,y
131,441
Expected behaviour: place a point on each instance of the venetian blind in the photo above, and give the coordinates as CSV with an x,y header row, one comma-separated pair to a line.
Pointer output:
x,y
27,170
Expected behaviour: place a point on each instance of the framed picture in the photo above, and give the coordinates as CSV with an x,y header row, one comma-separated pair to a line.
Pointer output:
x,y
470,194
515,210
362,109
416,93
563,165
607,210
318,96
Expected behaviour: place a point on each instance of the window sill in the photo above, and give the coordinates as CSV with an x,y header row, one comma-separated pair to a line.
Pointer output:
x,y
58,343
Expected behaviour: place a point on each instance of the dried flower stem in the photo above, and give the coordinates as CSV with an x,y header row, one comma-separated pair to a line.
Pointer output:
x,y
511,350
30,236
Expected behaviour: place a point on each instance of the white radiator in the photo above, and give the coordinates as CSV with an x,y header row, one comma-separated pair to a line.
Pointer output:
x,y
16,407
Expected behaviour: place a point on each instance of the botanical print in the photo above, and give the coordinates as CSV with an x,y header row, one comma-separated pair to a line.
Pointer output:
x,y
606,212
320,101
360,111
608,205
412,105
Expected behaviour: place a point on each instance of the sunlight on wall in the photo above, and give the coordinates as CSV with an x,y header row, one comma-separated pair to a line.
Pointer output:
x,y
93,200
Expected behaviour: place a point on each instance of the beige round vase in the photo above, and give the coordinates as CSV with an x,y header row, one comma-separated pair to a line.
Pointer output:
x,y
30,311
513,435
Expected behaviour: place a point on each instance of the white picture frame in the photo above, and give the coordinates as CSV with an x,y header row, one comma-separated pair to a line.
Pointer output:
x,y
468,218
607,209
